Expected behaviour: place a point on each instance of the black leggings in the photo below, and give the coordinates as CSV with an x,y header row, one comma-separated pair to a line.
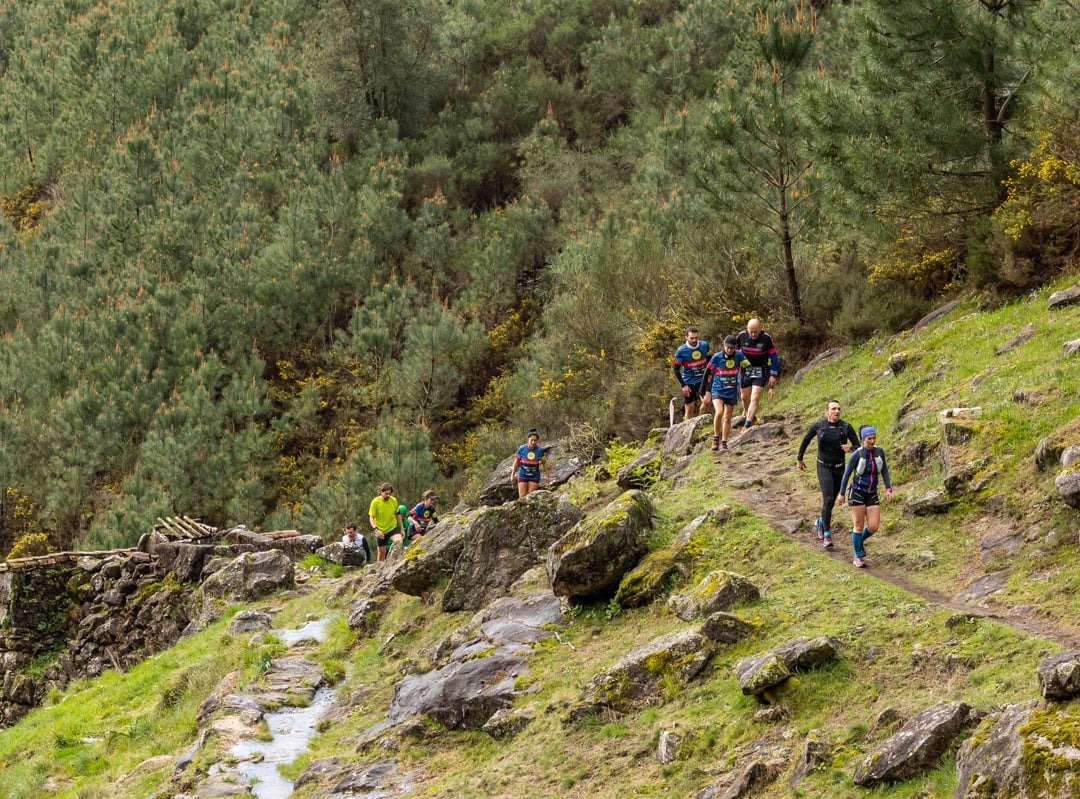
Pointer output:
x,y
829,478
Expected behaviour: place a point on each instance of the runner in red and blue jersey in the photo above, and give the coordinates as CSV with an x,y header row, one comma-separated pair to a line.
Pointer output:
x,y
529,460
725,368
689,365
422,516
760,350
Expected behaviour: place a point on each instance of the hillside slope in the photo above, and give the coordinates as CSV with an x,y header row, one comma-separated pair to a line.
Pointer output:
x,y
901,650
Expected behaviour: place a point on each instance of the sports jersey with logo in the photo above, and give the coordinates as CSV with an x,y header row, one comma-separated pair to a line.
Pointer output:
x,y
690,363
725,370
529,459
761,352
422,516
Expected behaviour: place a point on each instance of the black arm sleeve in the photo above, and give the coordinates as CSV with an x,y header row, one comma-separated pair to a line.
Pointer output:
x,y
677,371
806,440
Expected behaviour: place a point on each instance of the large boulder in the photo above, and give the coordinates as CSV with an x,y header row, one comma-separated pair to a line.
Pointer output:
x,y
505,543
644,675
251,576
1064,298
430,561
591,559
918,746
498,488
1022,752
681,438
460,695
642,472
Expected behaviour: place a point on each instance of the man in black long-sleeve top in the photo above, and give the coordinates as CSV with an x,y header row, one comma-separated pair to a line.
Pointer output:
x,y
835,438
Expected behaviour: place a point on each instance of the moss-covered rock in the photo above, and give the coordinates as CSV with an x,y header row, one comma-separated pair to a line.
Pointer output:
x,y
649,674
592,558
719,590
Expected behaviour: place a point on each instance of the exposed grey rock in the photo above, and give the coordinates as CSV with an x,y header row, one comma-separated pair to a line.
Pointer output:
x,y
768,431
1070,456
667,745
641,677
683,437
898,362
918,746
431,561
815,752
1025,335
506,626
1022,752
930,503
1068,487
808,652
725,628
593,556
364,615
508,722
1064,298
460,695
955,432
816,361
653,575
1071,347
1059,676
373,779
758,673
718,591
562,465
251,576
936,314
642,472
983,586
249,621
343,555
1047,452
183,559
504,543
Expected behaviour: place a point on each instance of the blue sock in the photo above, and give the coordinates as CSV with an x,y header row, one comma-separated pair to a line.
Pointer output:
x,y
866,532
856,544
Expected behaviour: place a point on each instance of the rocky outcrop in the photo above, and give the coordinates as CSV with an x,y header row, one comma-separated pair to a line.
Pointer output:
x,y
481,664
250,577
931,503
512,539
769,431
591,559
1022,752
1024,336
918,746
681,438
719,590
479,554
643,676
1067,484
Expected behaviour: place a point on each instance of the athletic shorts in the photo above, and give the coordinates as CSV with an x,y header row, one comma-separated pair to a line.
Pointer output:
x,y
695,394
857,498
727,399
527,478
755,376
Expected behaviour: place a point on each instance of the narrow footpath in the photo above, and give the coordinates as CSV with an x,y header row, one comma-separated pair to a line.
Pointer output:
x,y
762,471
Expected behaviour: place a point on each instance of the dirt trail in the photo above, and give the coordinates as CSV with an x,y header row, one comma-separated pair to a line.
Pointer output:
x,y
763,476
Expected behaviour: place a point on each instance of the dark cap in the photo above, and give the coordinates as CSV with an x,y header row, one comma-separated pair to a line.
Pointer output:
x,y
429,495
731,341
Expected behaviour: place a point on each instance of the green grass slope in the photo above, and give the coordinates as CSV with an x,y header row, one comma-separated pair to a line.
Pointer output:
x,y
118,736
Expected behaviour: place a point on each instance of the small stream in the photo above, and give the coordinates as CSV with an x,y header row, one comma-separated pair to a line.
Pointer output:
x,y
291,727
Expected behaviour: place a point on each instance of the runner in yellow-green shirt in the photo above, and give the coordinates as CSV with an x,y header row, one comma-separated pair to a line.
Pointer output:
x,y
385,520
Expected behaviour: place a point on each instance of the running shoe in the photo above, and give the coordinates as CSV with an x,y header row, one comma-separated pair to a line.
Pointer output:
x,y
723,446
859,562
715,443
827,543
819,528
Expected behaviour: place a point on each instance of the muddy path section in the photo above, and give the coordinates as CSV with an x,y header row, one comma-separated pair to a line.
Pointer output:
x,y
761,472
